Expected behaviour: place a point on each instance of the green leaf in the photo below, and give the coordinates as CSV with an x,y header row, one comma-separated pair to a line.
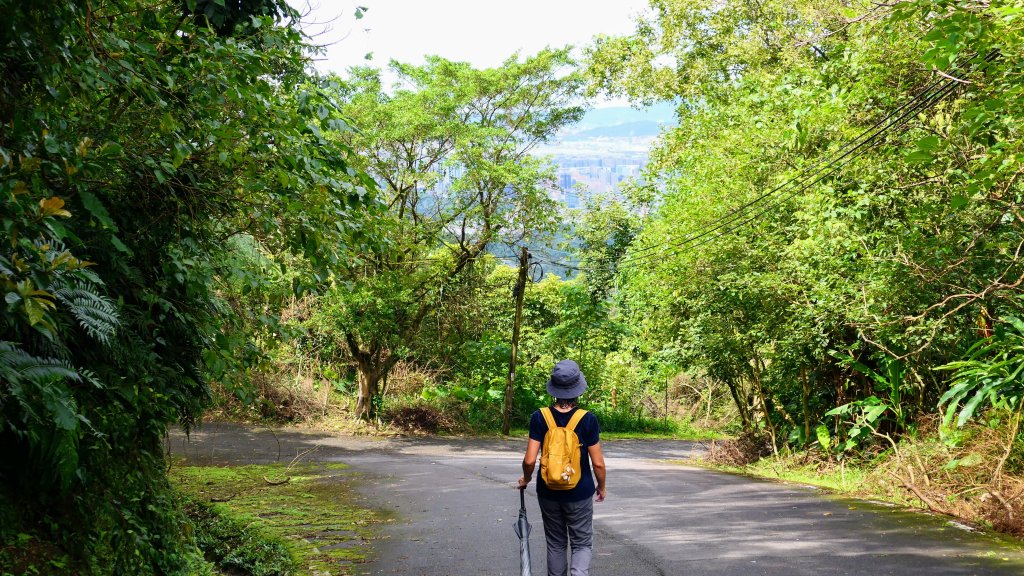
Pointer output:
x,y
971,406
965,462
64,415
873,413
919,157
928,143
120,246
840,410
824,438
96,208
111,150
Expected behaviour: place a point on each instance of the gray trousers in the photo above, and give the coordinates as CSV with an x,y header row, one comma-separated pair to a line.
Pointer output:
x,y
568,526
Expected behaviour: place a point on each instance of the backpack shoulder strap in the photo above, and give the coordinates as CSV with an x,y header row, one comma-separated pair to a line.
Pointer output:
x,y
548,417
580,413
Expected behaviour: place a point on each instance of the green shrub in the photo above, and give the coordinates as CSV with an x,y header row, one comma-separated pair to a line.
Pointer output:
x,y
235,546
619,421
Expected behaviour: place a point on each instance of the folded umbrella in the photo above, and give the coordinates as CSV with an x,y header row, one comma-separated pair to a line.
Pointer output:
x,y
522,528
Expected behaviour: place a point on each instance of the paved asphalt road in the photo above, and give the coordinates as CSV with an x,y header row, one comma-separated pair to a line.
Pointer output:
x,y
456,506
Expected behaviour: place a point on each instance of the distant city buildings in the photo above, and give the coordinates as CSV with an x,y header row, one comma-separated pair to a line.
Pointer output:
x,y
595,167
593,158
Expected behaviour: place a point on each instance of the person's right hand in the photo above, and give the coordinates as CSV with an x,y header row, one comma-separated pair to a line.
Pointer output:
x,y
599,495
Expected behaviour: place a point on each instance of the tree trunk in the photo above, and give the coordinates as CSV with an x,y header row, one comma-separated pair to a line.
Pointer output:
x,y
369,379
506,415
759,390
740,405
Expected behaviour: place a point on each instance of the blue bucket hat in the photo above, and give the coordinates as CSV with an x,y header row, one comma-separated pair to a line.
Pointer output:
x,y
566,380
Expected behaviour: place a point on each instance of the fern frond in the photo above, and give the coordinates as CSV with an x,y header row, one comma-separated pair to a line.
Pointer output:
x,y
96,314
16,365
90,377
5,267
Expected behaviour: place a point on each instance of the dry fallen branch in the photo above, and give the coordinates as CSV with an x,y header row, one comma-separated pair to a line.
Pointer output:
x,y
299,456
1009,510
291,465
924,471
927,501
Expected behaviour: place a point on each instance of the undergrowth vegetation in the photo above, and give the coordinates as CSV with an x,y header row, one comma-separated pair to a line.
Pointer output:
x,y
975,473
276,520
459,387
158,160
824,254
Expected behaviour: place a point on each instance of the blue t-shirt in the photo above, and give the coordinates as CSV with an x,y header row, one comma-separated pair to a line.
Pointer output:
x,y
589,434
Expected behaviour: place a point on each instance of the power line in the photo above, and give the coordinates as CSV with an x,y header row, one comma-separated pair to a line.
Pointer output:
x,y
843,161
428,260
924,99
785,198
863,138
929,102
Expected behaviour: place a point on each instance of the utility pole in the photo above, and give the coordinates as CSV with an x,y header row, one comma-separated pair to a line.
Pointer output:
x,y
517,293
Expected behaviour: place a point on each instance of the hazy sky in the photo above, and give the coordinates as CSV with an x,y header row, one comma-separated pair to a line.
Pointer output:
x,y
483,32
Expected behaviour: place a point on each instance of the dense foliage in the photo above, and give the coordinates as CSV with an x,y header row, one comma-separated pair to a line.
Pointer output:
x,y
830,239
450,146
145,149
825,284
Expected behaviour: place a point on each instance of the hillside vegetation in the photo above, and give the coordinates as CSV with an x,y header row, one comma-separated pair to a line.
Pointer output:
x,y
823,257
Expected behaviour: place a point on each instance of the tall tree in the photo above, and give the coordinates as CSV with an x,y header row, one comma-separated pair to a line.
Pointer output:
x,y
450,146
851,283
135,143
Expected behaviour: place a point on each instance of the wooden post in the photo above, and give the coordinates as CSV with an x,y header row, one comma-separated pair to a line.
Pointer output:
x,y
807,406
668,384
520,290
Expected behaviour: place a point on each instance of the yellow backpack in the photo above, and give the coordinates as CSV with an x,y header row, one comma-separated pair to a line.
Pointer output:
x,y
560,453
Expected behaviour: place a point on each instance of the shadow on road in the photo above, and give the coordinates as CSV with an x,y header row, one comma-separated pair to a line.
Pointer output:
x,y
456,507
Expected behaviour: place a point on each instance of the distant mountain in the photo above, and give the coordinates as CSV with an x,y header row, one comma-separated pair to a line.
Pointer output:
x,y
624,130
661,113
612,134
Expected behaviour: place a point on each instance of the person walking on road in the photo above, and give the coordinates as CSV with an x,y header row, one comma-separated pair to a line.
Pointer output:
x,y
566,489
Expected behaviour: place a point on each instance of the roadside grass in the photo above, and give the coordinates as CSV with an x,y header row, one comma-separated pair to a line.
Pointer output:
x,y
694,435
405,414
861,481
450,417
621,425
840,478
275,519
974,474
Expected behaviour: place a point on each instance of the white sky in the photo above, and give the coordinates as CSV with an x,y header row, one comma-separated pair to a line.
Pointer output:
x,y
482,32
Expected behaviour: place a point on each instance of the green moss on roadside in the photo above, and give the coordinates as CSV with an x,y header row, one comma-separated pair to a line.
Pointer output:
x,y
307,511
